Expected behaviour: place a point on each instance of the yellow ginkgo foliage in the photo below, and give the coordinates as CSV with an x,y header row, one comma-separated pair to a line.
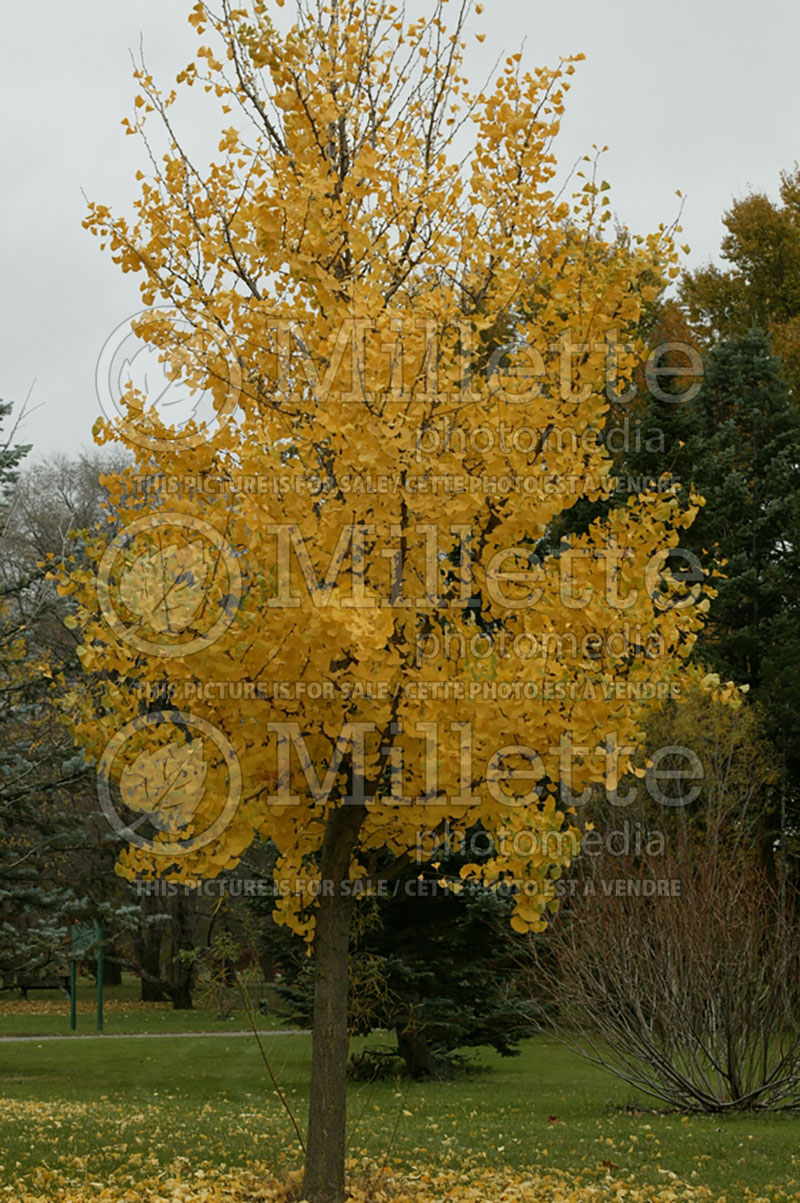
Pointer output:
x,y
407,336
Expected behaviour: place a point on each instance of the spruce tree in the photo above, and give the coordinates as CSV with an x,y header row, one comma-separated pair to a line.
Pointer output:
x,y
39,768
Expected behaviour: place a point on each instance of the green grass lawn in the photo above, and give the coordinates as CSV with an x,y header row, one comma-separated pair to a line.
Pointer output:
x,y
46,1013
90,1106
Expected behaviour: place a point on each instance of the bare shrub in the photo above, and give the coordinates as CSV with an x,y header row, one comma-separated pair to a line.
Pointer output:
x,y
678,967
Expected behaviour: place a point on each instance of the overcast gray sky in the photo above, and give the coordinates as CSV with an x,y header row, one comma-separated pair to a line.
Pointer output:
x,y
698,95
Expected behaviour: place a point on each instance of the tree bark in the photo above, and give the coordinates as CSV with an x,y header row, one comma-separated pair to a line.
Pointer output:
x,y
112,968
152,989
323,1181
412,1046
182,974
148,951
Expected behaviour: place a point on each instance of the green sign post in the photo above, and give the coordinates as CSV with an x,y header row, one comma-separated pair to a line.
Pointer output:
x,y
85,938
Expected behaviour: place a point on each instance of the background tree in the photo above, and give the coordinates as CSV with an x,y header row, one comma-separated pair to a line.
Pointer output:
x,y
743,451
429,963
66,851
39,768
736,440
762,285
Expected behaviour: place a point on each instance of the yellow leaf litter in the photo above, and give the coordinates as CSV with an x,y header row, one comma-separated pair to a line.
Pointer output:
x,y
368,1184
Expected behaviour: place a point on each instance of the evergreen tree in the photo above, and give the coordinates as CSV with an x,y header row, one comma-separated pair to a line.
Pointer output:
x,y
435,965
39,768
744,456
737,442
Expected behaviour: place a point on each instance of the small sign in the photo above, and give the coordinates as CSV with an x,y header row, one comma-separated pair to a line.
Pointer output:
x,y
83,936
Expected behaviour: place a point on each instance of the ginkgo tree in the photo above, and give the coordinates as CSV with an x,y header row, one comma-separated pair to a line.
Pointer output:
x,y
410,343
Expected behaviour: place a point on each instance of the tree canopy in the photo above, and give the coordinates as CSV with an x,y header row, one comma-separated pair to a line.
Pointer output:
x,y
407,349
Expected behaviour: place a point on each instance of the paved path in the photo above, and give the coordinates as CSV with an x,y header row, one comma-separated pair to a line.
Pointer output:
x,y
148,1035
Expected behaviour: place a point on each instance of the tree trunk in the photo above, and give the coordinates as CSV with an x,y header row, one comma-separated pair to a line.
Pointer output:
x,y
181,989
182,973
413,1048
323,1181
112,969
148,951
152,989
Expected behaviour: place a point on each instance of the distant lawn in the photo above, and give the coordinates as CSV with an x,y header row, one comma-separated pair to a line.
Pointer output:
x,y
89,1107
46,1013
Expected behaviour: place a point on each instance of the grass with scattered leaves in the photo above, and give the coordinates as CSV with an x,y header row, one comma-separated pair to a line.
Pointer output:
x,y
112,1110
46,1013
